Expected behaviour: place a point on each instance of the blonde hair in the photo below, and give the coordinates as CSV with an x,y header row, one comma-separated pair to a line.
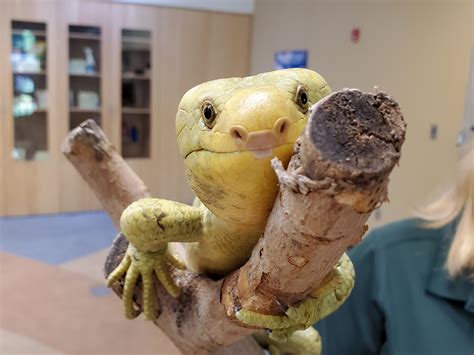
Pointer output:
x,y
457,201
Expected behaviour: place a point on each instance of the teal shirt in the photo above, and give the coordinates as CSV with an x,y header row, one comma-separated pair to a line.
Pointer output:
x,y
403,301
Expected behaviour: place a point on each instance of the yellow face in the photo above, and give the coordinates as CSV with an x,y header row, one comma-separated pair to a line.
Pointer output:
x,y
230,129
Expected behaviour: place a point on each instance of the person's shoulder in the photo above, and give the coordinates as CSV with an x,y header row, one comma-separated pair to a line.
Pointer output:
x,y
401,233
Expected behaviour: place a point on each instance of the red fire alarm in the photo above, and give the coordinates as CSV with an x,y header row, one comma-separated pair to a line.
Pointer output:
x,y
355,35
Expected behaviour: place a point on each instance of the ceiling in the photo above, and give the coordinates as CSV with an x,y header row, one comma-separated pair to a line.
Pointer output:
x,y
232,6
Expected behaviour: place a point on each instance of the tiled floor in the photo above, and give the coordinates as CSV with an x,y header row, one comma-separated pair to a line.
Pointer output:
x,y
53,299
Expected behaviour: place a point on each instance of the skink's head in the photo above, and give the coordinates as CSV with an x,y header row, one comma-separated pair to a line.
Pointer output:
x,y
229,130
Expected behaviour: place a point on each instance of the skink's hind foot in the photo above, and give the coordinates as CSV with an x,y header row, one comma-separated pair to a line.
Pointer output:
x,y
322,302
140,264
302,342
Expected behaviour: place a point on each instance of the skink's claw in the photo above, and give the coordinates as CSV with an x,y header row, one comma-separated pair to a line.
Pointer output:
x,y
175,261
119,270
145,265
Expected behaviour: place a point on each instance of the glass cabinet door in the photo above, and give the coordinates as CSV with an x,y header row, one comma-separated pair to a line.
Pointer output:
x,y
136,87
30,93
84,74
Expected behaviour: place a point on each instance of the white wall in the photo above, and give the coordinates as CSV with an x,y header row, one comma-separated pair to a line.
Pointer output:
x,y
416,51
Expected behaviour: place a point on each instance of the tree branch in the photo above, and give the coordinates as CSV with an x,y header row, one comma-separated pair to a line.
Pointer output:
x,y
337,176
114,183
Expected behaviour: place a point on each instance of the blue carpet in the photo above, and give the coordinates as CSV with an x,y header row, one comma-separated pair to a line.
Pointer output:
x,y
56,239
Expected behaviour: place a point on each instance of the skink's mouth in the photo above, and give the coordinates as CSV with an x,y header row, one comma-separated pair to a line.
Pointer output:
x,y
262,153
257,153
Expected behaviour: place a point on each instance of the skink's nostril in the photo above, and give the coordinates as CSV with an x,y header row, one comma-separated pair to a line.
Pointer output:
x,y
239,133
281,126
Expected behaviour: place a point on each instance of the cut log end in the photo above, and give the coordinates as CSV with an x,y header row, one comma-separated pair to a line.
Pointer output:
x,y
352,135
90,134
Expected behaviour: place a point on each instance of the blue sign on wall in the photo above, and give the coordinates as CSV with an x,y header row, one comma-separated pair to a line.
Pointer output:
x,y
291,59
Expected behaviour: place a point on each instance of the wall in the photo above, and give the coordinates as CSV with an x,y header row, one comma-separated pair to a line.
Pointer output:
x,y
416,51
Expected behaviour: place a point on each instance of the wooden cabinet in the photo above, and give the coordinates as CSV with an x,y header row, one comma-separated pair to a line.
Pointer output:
x,y
125,66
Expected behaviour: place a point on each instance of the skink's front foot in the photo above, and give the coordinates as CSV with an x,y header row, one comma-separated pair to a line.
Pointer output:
x,y
322,302
136,263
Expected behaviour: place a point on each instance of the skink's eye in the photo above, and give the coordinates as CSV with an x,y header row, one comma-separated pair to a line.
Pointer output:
x,y
302,98
208,113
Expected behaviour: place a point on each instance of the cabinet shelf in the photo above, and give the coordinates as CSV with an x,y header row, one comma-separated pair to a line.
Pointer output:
x,y
135,77
75,109
136,49
135,40
40,111
84,36
37,33
42,72
85,75
136,110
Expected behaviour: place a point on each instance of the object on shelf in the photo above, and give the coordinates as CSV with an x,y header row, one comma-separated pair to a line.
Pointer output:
x,y
40,52
16,58
24,84
29,40
25,62
17,43
134,134
131,65
88,100
84,30
135,94
23,105
90,61
40,155
72,102
19,153
130,135
77,66
135,137
147,70
28,55
128,94
42,99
